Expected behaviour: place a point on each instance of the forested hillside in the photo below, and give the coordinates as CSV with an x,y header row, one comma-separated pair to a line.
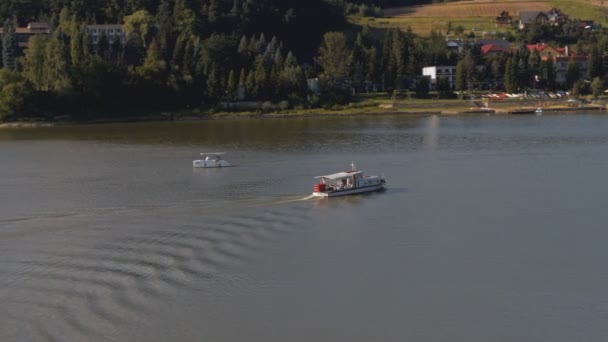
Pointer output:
x,y
177,53
128,57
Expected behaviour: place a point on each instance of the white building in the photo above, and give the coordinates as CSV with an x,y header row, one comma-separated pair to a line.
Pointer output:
x,y
111,31
435,72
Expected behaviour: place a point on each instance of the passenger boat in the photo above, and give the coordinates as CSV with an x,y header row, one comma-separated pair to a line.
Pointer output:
x,y
211,160
347,183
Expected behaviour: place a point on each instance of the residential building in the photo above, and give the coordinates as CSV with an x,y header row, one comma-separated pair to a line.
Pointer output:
x,y
553,17
527,18
504,19
491,50
548,51
435,72
23,34
111,31
561,56
561,67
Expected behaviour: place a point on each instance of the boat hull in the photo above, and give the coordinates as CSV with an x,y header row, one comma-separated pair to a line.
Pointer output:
x,y
210,163
355,191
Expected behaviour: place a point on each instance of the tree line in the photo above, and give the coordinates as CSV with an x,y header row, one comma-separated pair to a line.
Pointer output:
x,y
177,54
199,53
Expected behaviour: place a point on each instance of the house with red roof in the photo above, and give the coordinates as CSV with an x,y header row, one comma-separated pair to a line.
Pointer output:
x,y
491,50
547,51
561,56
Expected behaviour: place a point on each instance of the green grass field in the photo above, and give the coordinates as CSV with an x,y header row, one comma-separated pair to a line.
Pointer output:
x,y
477,16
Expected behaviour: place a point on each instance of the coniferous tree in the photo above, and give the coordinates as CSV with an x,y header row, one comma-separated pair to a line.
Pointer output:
x,y
399,58
596,87
547,74
388,65
333,53
250,85
596,63
357,63
34,62
470,69
242,77
550,65
56,67
9,46
164,19
461,77
152,69
511,83
373,72
243,46
232,84
534,63
573,73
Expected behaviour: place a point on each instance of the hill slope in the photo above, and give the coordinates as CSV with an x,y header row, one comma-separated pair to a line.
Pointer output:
x,y
477,15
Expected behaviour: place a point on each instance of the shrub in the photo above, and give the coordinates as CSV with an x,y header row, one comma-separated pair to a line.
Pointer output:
x,y
267,107
283,105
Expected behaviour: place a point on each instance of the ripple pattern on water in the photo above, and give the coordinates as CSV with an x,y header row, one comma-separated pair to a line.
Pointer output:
x,y
86,282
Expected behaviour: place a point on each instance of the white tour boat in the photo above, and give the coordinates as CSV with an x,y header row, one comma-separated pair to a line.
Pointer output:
x,y
347,183
212,159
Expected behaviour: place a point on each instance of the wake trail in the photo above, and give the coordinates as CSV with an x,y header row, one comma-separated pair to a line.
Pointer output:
x,y
295,200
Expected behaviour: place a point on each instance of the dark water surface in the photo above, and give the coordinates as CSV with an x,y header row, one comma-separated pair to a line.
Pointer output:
x,y
492,229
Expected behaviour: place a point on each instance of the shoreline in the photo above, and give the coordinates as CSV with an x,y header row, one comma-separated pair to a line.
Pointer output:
x,y
177,117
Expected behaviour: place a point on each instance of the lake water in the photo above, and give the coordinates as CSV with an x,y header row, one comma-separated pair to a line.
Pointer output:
x,y
492,229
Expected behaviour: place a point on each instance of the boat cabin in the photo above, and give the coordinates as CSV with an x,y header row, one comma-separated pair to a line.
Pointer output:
x,y
341,180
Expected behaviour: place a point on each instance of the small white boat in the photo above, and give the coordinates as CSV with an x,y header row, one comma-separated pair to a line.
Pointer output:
x,y
211,159
538,111
347,183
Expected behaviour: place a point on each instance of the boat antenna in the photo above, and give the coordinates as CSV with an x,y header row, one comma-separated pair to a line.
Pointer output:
x,y
352,164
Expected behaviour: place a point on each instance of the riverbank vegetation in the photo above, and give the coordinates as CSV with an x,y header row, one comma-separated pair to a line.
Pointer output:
x,y
257,56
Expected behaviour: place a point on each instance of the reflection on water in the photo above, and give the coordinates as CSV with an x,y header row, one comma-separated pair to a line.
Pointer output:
x,y
108,233
431,139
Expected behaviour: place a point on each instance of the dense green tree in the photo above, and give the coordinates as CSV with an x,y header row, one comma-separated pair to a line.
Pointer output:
x,y
153,68
596,63
373,72
79,46
399,58
9,45
387,63
422,87
534,66
524,75
461,77
138,27
573,73
165,35
443,88
34,62
596,87
333,54
470,69
511,83
232,83
56,68
15,95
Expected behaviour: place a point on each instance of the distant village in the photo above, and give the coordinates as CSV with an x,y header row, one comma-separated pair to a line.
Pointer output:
x,y
530,51
560,56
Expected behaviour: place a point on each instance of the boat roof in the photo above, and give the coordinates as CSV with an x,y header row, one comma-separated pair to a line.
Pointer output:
x,y
214,153
340,175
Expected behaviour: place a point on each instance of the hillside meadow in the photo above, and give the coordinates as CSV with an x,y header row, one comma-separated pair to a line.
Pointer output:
x,y
477,15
